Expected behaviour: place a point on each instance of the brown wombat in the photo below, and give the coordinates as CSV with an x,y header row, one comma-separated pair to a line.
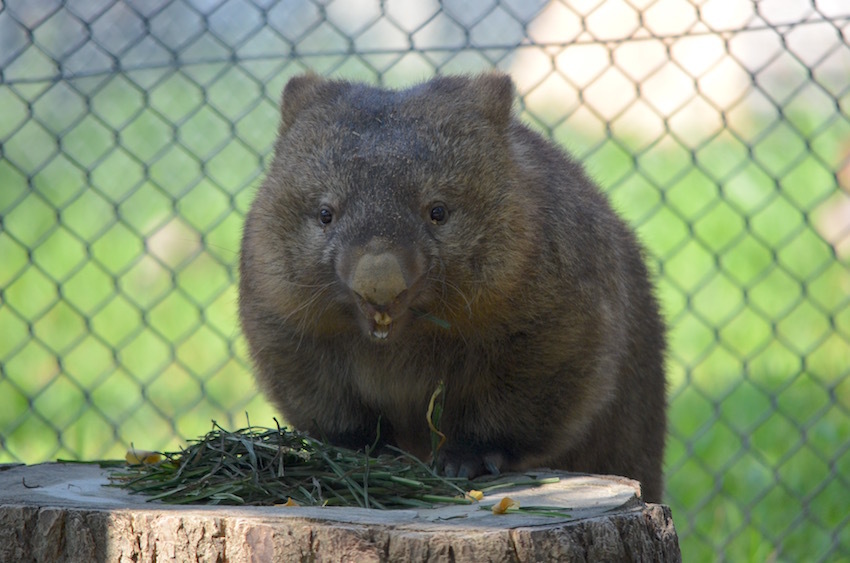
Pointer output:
x,y
406,237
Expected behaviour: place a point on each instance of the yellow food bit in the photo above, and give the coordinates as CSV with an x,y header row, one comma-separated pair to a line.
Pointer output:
x,y
383,319
504,505
289,502
475,495
141,457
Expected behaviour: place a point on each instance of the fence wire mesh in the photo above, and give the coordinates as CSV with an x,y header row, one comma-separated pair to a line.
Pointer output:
x,y
133,134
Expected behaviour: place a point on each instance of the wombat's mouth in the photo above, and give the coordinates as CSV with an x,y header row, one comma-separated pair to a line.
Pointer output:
x,y
381,322
381,325
383,315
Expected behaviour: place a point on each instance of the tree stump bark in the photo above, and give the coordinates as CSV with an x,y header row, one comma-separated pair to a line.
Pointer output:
x,y
62,512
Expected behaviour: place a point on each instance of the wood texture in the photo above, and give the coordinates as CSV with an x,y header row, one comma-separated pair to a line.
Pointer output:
x,y
63,513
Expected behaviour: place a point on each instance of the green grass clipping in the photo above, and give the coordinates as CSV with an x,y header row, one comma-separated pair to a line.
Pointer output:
x,y
279,466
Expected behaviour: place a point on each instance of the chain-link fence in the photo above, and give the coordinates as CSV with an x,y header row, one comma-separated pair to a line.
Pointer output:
x,y
133,133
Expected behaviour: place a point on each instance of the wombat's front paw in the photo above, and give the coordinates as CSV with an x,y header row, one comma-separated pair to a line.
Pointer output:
x,y
469,463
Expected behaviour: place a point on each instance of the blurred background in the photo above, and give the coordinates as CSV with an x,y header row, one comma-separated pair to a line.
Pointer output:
x,y
133,134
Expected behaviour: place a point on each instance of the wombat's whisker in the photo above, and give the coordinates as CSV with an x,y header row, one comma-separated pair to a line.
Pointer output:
x,y
307,285
459,291
303,306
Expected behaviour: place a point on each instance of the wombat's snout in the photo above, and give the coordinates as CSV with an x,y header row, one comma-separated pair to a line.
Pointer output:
x,y
384,280
378,279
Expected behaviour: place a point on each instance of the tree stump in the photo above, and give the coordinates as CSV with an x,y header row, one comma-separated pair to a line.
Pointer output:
x,y
63,512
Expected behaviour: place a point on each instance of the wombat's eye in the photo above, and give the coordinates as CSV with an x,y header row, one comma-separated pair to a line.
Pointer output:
x,y
326,215
439,213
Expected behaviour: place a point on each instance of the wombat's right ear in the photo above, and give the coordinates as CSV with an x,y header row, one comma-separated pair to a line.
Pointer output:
x,y
304,91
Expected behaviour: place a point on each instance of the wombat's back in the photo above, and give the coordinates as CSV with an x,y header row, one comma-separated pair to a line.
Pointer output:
x,y
406,238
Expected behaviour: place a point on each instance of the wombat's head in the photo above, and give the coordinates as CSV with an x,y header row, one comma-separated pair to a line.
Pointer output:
x,y
385,210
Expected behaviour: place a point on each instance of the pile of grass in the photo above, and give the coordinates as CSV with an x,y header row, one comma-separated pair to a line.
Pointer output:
x,y
267,466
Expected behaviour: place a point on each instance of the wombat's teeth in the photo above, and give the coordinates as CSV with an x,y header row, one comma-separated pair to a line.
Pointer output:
x,y
380,333
382,319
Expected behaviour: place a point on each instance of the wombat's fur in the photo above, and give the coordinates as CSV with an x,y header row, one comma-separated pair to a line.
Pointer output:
x,y
385,210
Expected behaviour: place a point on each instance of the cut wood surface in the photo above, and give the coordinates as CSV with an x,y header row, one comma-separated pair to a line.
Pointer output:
x,y
63,512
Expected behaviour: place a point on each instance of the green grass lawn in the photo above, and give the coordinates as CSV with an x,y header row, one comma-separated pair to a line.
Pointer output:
x,y
118,317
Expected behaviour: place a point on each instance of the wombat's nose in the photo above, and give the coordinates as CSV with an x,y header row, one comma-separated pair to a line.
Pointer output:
x,y
378,278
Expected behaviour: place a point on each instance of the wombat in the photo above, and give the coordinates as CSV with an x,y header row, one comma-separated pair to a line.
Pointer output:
x,y
403,238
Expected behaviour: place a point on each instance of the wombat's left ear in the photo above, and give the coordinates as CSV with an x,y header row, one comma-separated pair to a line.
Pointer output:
x,y
494,96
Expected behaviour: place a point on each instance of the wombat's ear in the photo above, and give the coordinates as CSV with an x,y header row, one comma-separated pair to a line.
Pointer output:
x,y
490,95
494,96
304,91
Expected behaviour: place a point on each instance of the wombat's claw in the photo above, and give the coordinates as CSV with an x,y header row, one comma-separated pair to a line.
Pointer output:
x,y
451,470
474,466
